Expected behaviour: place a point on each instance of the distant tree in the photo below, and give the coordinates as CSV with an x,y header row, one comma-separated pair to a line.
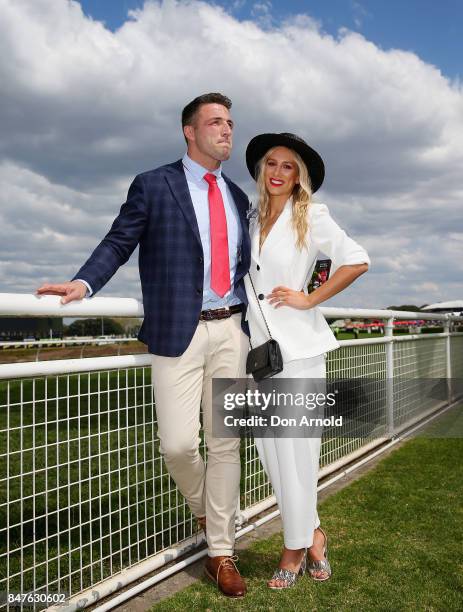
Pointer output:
x,y
410,307
92,327
130,325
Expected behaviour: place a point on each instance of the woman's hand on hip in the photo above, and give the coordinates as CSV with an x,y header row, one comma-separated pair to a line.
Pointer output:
x,y
283,296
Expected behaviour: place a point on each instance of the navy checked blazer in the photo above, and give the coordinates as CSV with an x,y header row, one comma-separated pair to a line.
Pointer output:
x,y
159,215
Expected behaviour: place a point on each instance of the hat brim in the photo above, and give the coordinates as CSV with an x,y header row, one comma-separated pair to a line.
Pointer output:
x,y
260,144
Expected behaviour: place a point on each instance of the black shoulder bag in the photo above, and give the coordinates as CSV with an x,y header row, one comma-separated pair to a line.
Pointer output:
x,y
265,360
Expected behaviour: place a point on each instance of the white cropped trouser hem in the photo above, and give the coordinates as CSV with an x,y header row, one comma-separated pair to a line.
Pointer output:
x,y
291,465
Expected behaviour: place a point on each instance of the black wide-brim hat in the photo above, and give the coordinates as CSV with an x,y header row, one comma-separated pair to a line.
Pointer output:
x,y
260,144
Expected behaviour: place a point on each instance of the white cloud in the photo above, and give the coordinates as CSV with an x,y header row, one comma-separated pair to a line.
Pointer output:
x,y
431,287
84,109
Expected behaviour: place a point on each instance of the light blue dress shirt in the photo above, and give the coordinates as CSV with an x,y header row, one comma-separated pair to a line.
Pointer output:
x,y
199,191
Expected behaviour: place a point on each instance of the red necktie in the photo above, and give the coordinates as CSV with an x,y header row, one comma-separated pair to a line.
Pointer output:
x,y
220,265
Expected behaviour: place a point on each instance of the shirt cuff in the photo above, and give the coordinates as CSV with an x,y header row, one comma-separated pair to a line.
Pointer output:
x,y
89,289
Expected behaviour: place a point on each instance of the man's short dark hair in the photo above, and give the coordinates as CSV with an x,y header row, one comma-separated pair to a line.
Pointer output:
x,y
190,110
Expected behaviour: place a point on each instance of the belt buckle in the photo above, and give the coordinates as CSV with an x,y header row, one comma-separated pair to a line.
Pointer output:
x,y
205,315
216,314
223,313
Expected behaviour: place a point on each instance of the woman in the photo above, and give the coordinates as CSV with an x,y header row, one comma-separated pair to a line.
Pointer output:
x,y
287,231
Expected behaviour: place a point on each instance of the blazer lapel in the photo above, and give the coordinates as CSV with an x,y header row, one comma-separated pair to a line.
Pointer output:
x,y
254,234
279,231
179,187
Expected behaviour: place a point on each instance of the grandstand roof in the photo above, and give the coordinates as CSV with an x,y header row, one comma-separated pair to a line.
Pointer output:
x,y
452,306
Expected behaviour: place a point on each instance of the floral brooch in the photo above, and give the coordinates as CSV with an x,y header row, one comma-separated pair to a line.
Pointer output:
x,y
251,213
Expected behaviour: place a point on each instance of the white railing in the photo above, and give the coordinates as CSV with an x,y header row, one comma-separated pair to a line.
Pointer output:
x,y
85,498
87,340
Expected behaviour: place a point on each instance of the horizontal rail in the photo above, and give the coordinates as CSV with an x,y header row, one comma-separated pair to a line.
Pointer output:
x,y
420,337
388,339
64,342
363,341
371,313
32,369
24,304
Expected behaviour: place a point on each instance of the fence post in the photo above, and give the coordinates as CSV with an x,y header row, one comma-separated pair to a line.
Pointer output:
x,y
389,332
448,359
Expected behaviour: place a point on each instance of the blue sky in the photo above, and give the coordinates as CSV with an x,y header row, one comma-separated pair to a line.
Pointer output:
x,y
429,28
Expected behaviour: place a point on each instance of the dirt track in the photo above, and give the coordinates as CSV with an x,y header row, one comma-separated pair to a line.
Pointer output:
x,y
71,352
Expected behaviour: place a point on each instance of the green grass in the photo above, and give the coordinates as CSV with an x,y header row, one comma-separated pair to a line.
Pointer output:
x,y
395,543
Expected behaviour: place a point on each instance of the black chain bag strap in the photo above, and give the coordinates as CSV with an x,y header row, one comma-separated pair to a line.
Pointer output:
x,y
265,360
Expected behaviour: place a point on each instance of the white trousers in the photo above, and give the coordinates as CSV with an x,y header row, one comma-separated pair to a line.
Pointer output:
x,y
291,465
181,384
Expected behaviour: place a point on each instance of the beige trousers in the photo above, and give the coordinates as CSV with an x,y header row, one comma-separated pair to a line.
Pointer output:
x,y
181,384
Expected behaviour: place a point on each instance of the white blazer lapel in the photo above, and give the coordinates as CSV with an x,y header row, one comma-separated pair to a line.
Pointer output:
x,y
254,234
279,230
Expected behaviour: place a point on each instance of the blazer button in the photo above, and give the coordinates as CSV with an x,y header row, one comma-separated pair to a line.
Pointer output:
x,y
199,291
258,267
200,259
261,296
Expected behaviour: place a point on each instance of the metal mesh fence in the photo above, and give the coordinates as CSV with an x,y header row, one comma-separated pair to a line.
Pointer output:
x,y
84,492
456,356
416,363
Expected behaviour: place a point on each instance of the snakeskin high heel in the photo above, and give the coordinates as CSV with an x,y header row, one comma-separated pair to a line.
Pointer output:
x,y
321,566
288,576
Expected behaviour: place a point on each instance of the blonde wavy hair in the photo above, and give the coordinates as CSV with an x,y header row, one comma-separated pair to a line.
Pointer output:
x,y
301,198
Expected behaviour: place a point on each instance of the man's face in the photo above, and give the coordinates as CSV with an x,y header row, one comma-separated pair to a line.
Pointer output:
x,y
212,131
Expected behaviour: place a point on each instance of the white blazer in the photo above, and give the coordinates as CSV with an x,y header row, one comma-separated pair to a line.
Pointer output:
x,y
300,333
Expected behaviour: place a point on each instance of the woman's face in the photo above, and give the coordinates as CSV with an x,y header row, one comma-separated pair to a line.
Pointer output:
x,y
281,173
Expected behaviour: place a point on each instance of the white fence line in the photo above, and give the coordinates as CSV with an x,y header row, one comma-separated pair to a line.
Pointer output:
x,y
33,369
30,305
87,340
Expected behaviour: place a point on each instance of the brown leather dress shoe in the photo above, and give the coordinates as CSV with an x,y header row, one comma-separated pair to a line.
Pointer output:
x,y
223,571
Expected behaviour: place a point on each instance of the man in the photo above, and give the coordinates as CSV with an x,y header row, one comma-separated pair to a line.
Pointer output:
x,y
190,222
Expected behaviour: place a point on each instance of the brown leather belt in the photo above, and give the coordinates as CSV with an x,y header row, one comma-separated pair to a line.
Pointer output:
x,y
220,313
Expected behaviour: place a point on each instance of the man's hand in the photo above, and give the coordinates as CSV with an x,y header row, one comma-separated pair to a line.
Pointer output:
x,y
74,290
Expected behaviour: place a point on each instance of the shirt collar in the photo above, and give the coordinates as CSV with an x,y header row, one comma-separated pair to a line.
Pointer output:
x,y
197,170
